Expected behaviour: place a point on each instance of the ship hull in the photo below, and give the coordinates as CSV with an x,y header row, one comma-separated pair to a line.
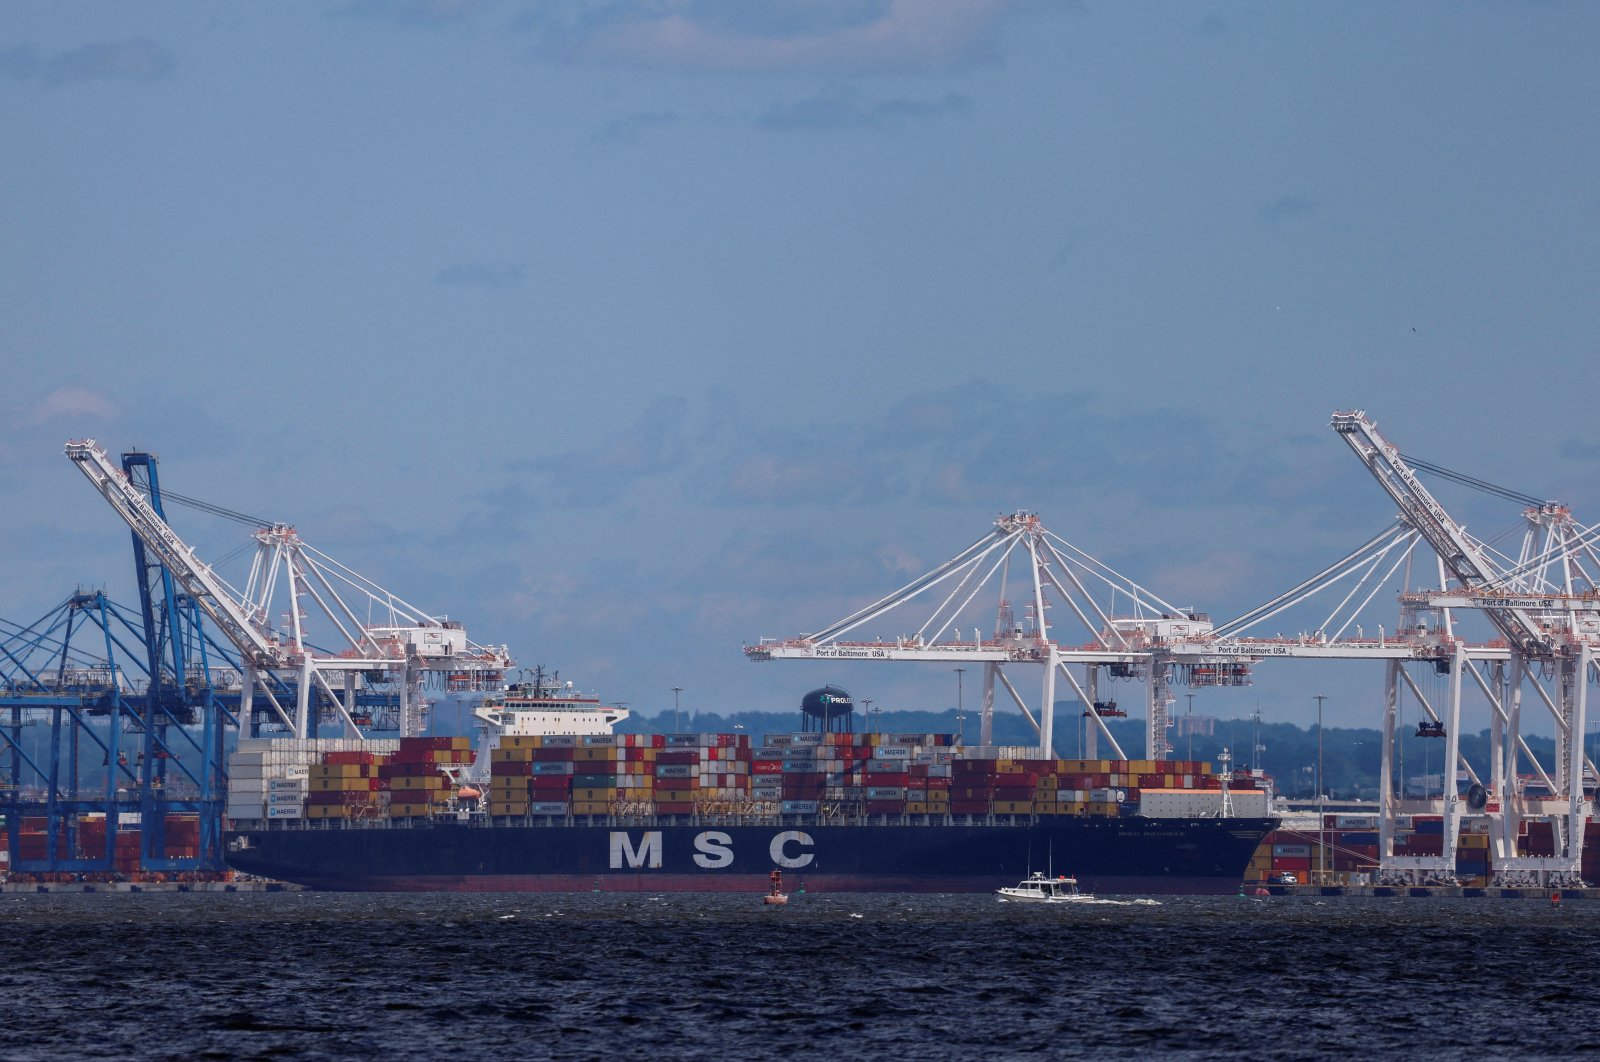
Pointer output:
x,y
1108,856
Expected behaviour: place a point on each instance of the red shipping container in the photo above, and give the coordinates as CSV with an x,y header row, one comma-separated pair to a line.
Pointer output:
x,y
678,756
674,807
886,807
766,767
348,757
510,769
552,755
969,807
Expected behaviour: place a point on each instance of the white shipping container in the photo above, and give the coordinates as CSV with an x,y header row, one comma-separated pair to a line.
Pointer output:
x,y
284,811
286,785
277,799
1173,803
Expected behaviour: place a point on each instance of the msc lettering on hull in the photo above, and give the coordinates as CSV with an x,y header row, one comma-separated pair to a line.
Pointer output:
x,y
713,850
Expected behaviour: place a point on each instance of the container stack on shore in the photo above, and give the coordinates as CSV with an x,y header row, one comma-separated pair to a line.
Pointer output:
x,y
181,832
1345,851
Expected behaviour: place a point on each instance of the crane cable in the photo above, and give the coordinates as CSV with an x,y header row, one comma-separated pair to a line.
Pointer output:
x,y
1479,484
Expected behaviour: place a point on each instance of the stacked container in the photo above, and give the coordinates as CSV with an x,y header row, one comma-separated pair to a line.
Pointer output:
x,y
415,778
267,777
345,785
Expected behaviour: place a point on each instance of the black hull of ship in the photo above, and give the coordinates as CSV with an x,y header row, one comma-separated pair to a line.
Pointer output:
x,y
1127,855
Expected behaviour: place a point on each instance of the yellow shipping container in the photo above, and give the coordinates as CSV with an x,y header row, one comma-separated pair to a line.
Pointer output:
x,y
591,807
1474,840
607,794
598,753
916,807
516,754
668,796
334,785
409,811
420,781
1046,807
341,770
1013,807
327,811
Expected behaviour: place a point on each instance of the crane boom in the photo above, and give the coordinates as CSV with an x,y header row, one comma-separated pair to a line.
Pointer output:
x,y
1462,556
195,577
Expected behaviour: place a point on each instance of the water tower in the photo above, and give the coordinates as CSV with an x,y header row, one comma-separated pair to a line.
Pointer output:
x,y
828,710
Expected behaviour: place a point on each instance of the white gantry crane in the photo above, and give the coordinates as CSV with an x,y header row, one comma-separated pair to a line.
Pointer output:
x,y
1118,634
1544,604
380,637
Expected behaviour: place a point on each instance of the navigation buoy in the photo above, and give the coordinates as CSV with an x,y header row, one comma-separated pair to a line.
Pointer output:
x,y
1555,897
775,895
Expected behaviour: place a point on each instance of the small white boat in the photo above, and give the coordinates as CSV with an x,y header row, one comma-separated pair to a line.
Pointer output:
x,y
1037,888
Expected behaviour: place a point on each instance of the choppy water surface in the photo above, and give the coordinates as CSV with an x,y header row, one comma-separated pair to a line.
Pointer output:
x,y
305,975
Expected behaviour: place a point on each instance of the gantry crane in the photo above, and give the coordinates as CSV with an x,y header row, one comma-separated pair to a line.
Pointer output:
x,y
403,646
1545,606
1053,572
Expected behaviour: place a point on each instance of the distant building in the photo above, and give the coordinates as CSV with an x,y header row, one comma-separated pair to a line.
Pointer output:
x,y
1194,725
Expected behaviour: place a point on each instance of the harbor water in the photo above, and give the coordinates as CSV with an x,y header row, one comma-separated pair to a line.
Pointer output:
x,y
601,976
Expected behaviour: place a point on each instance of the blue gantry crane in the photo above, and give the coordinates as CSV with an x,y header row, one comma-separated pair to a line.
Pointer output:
x,y
116,717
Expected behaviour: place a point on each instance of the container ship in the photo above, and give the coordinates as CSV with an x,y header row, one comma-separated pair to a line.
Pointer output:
x,y
551,799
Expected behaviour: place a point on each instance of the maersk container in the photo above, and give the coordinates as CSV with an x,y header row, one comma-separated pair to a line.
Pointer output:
x,y
799,807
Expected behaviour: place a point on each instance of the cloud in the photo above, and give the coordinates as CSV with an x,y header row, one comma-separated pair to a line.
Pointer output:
x,y
491,276
73,402
630,127
1288,206
841,107
651,446
415,12
776,35
130,60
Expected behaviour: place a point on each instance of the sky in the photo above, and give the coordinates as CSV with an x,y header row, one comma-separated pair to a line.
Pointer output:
x,y
629,332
